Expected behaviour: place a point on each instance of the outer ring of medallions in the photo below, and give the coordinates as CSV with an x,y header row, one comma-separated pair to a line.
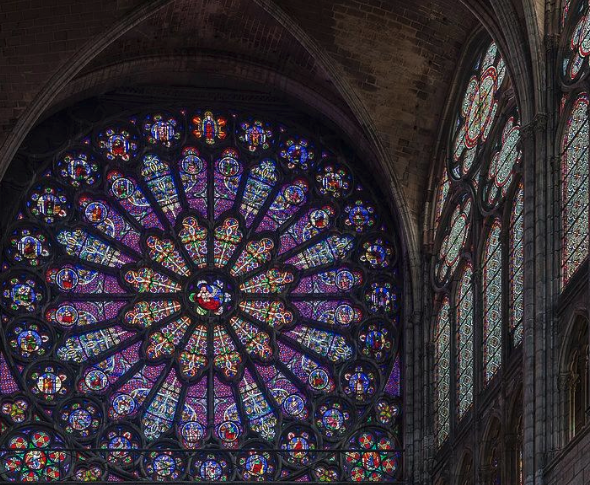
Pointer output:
x,y
55,436
165,448
199,457
231,287
255,447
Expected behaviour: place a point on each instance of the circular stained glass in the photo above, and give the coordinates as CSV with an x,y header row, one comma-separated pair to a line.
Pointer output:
x,y
191,282
503,164
576,46
453,242
477,111
34,454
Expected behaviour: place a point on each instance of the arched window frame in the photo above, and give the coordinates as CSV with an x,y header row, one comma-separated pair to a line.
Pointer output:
x,y
576,376
492,468
486,211
393,411
466,472
442,379
573,260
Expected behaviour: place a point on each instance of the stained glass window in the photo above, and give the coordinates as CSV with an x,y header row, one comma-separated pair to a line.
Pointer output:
x,y
517,267
574,143
503,165
477,111
492,302
443,372
464,337
574,196
478,207
575,59
191,295
454,241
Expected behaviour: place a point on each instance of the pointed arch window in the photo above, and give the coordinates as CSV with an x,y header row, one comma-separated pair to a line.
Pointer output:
x,y
492,302
575,188
443,371
479,187
219,290
464,338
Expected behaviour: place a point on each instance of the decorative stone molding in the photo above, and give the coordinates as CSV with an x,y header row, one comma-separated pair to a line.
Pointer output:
x,y
538,124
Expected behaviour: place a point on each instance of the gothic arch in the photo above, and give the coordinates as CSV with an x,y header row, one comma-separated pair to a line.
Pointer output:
x,y
514,438
46,98
574,377
134,249
492,452
465,471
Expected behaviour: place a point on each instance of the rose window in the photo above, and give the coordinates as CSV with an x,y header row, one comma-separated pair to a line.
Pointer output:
x,y
220,291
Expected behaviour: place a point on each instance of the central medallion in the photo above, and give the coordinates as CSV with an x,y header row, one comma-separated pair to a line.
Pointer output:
x,y
210,294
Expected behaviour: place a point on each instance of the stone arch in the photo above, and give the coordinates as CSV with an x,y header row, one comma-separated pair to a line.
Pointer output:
x,y
50,92
68,86
513,437
465,472
574,385
492,452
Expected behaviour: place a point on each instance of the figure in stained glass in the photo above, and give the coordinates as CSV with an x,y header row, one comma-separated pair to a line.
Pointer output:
x,y
209,127
189,296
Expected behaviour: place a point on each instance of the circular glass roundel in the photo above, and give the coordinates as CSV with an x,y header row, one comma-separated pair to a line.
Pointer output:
x,y
477,111
576,46
454,241
187,282
34,454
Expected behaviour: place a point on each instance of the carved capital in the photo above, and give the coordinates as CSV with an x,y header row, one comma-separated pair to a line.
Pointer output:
x,y
563,381
538,124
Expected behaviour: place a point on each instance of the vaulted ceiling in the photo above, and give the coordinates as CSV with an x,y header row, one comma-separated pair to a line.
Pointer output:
x,y
379,69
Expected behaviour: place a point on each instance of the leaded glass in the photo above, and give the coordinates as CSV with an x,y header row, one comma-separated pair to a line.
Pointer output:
x,y
577,49
503,163
442,342
454,241
470,265
492,302
199,297
464,338
517,267
575,192
477,111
